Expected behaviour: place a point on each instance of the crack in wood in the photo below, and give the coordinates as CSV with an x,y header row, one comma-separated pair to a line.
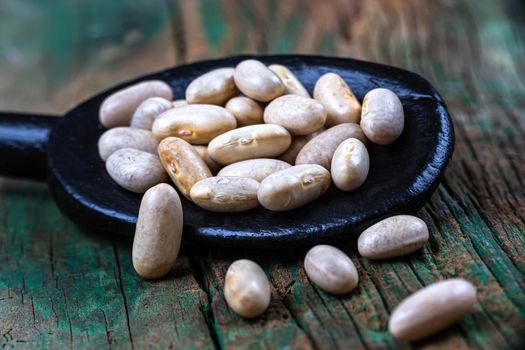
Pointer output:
x,y
121,287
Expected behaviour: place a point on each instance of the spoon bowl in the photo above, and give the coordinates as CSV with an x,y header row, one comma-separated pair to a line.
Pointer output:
x,y
402,175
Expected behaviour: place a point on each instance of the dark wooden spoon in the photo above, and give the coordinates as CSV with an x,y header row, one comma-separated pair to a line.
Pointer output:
x,y
402,175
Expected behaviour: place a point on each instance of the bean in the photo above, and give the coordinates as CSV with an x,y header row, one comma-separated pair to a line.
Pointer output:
x,y
297,144
350,165
183,164
245,110
215,87
432,309
117,109
254,141
340,103
203,152
382,118
257,169
247,289
292,85
330,269
394,236
125,137
255,80
293,187
148,110
299,115
320,150
196,124
225,194
179,103
158,232
135,170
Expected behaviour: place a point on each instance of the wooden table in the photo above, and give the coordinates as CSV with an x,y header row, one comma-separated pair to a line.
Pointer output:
x,y
62,286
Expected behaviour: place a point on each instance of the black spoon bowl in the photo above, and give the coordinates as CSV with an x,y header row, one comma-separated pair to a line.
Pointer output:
x,y
402,175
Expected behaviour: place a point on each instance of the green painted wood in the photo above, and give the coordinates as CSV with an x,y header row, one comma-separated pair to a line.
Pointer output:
x,y
62,287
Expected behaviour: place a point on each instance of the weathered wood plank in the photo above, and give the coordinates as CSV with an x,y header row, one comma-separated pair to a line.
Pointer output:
x,y
63,287
66,287
73,50
470,246
82,287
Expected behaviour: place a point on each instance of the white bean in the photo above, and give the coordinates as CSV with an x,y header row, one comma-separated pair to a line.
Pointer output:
x,y
257,169
215,87
183,164
196,124
331,269
293,187
245,110
135,170
432,309
148,110
179,103
203,152
249,142
382,118
350,165
225,194
297,114
117,109
292,85
394,236
256,81
158,232
297,145
340,103
320,150
247,289
125,137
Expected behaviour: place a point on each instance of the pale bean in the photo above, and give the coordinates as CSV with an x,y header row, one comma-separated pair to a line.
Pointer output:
x,y
297,144
245,110
293,187
135,170
196,124
148,110
247,289
117,109
297,114
394,236
158,232
320,150
125,137
330,269
203,152
340,103
249,142
183,164
225,194
215,87
257,169
350,165
255,80
179,103
292,85
382,118
432,309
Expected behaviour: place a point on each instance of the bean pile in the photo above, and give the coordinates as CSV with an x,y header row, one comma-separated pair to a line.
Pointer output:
x,y
252,135
286,147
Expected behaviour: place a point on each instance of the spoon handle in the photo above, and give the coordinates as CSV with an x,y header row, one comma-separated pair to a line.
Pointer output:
x,y
23,141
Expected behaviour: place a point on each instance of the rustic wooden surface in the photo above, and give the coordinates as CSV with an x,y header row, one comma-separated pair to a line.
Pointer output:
x,y
61,286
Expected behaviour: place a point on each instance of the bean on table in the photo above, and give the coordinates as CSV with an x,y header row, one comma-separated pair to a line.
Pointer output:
x,y
317,140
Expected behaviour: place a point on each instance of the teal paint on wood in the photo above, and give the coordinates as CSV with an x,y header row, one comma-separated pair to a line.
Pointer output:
x,y
61,286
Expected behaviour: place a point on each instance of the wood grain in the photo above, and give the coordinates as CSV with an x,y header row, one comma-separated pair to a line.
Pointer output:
x,y
63,287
